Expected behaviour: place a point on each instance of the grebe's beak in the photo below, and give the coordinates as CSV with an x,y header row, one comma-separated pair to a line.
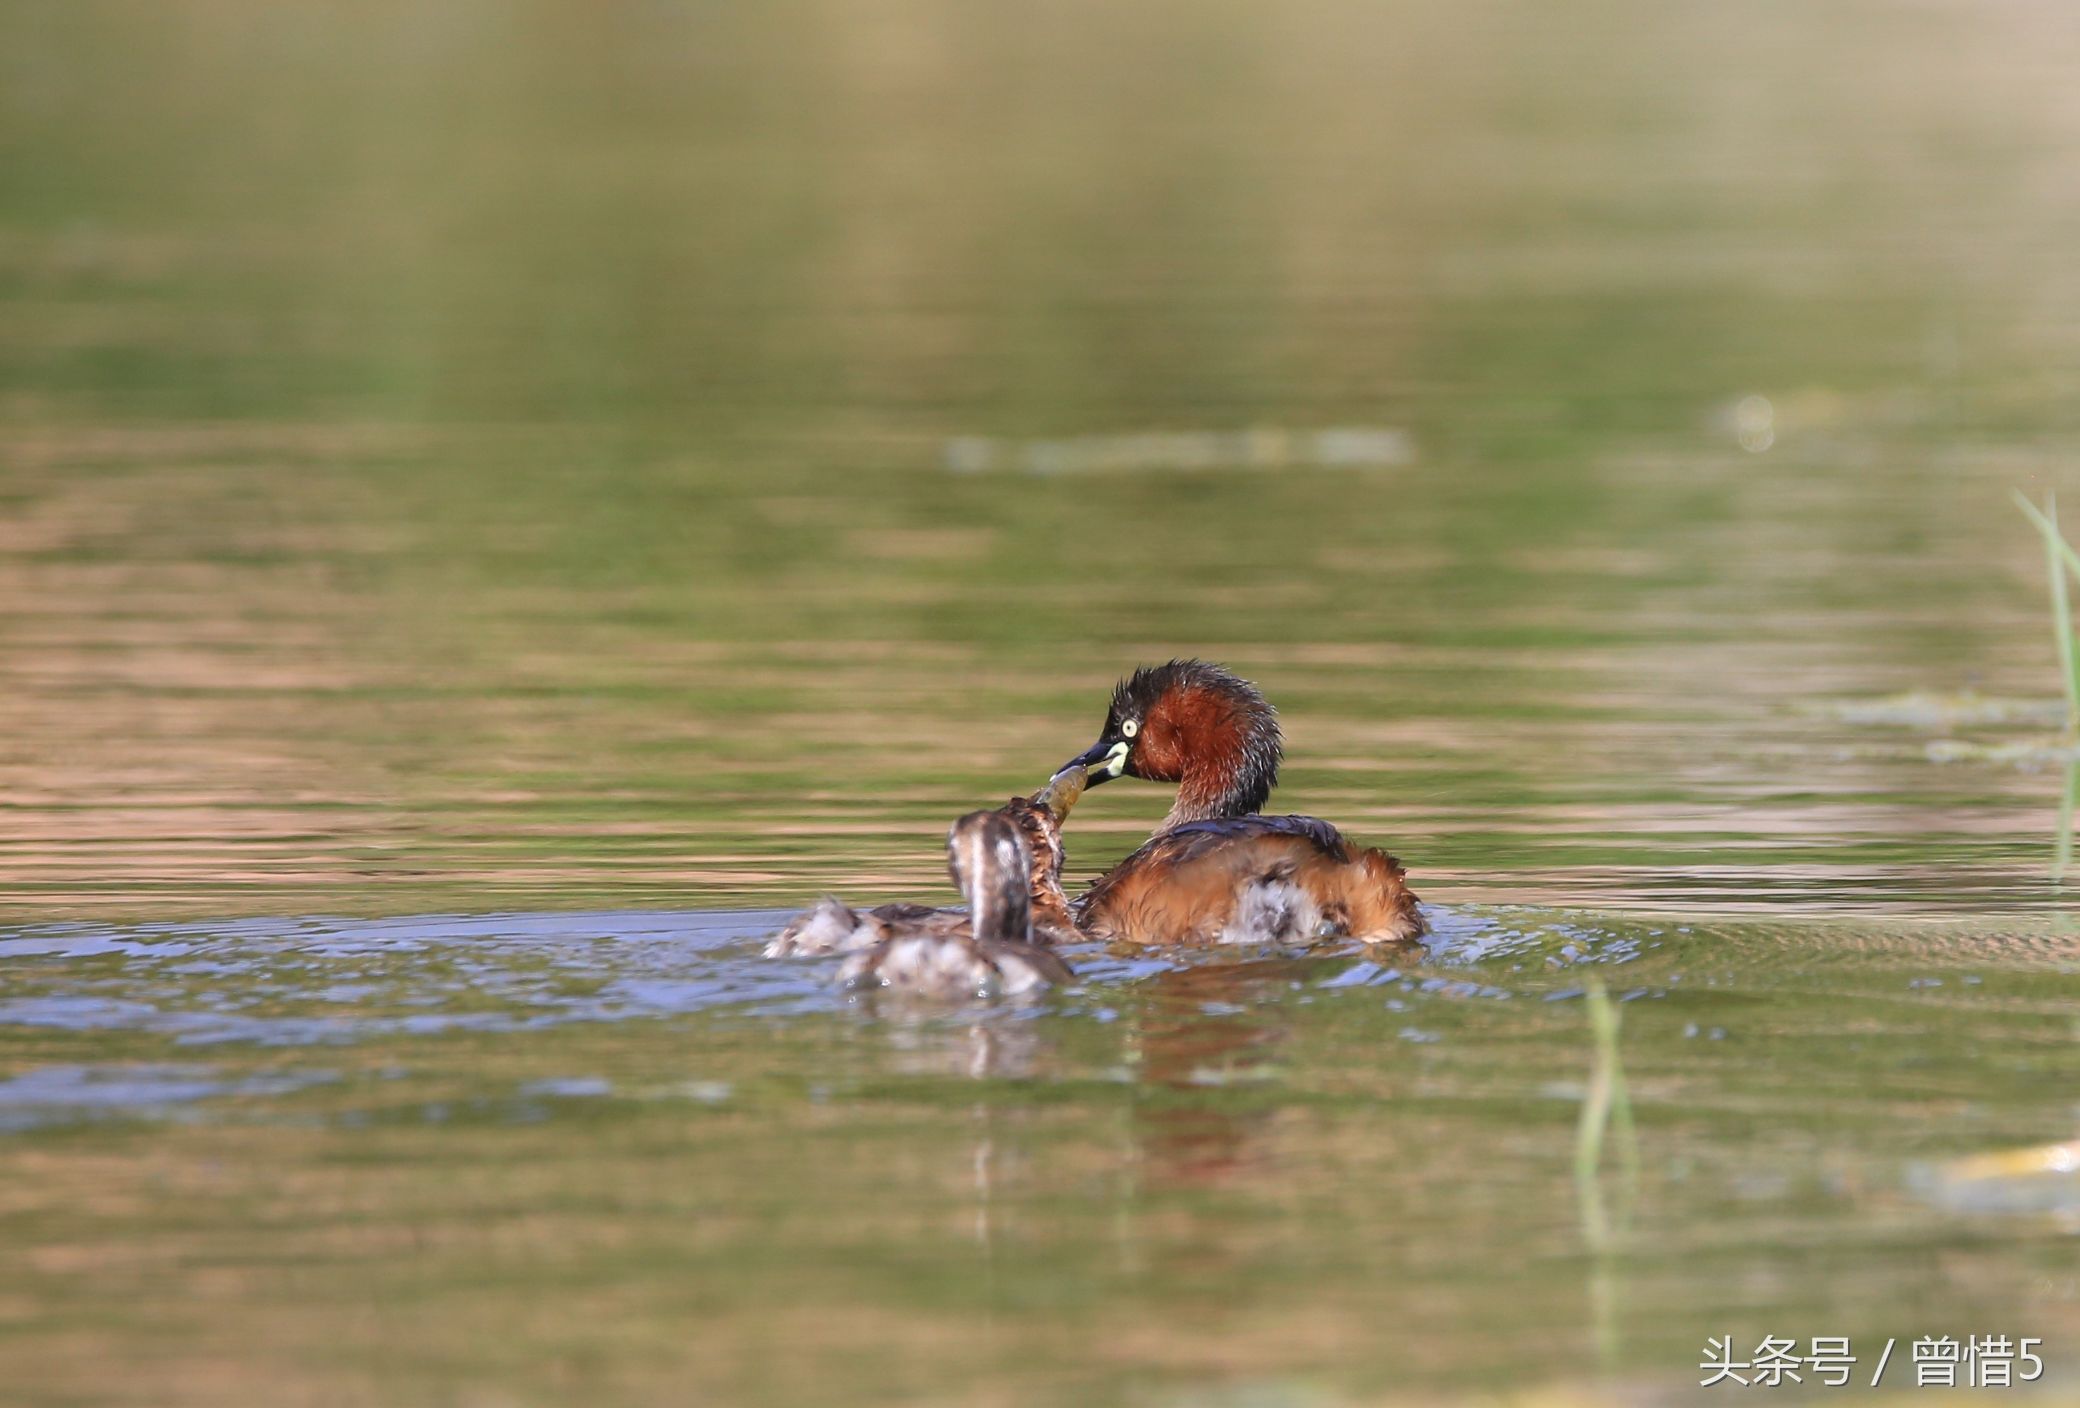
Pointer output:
x,y
1105,760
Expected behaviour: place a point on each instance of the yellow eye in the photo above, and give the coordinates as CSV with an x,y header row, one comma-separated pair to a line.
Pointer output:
x,y
1130,728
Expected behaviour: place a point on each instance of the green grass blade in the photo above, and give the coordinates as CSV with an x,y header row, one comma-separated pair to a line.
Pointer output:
x,y
2062,612
2057,552
1606,1111
2062,858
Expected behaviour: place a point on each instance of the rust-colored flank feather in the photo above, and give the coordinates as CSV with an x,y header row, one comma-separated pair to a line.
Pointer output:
x,y
1257,879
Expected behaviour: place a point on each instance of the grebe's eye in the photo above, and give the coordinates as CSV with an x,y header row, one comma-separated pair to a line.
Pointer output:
x,y
1130,728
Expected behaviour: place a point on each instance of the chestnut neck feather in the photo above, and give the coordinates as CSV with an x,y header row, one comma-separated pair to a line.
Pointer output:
x,y
1221,750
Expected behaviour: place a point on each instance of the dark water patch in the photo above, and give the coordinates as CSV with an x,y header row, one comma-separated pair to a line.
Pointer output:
x,y
64,1093
320,982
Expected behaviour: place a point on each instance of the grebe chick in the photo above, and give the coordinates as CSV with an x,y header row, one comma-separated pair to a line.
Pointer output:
x,y
832,926
1215,871
994,953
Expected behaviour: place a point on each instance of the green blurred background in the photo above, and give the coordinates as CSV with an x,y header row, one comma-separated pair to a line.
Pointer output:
x,y
464,453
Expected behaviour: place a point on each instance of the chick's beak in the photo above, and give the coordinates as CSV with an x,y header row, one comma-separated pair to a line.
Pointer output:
x,y
1105,760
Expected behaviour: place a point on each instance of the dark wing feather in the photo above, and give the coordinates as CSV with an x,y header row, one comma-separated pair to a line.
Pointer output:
x,y
1199,836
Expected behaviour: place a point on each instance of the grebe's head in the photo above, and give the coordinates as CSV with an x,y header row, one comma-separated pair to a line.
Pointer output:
x,y
1196,725
988,859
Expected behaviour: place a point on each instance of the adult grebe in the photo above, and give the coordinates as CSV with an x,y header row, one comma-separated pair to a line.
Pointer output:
x,y
1215,871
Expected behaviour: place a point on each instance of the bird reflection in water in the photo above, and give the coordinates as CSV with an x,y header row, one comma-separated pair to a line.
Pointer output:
x,y
1200,1027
